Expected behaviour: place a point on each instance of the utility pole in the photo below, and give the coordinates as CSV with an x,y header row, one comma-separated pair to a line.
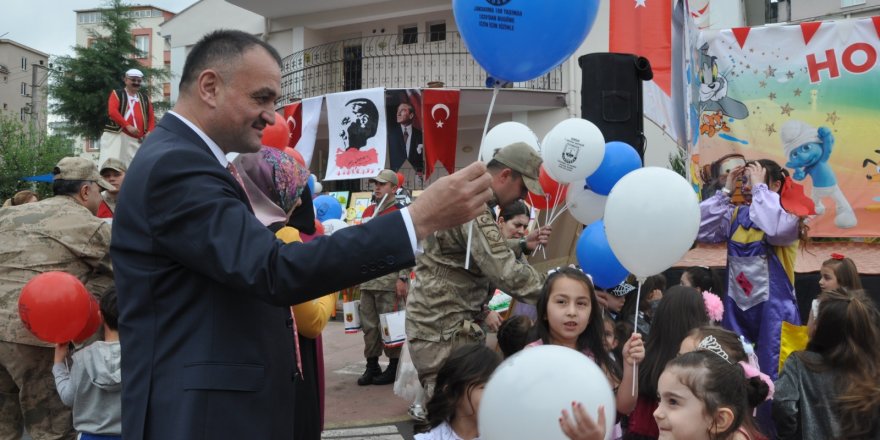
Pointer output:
x,y
35,109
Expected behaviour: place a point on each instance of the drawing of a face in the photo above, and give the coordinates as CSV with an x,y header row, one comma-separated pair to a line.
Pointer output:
x,y
360,122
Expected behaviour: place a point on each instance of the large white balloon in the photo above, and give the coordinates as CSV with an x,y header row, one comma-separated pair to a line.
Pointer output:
x,y
584,205
527,393
504,134
652,217
572,150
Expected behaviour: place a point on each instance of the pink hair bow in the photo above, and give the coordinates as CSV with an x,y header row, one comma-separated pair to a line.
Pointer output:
x,y
751,371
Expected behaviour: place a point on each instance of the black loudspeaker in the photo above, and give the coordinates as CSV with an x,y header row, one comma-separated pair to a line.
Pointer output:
x,y
611,96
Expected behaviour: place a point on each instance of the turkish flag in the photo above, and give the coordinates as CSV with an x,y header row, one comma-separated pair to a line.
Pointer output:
x,y
293,116
440,128
644,28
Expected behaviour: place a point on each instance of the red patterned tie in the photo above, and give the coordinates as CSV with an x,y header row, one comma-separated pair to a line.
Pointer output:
x,y
234,172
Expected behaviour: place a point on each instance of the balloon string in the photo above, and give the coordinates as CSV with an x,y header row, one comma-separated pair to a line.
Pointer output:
x,y
636,329
379,206
467,253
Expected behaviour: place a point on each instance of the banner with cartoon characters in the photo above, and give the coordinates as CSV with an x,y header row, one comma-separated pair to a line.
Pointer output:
x,y
806,96
357,134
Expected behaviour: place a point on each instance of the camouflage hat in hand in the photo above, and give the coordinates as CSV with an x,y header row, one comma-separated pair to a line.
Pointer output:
x,y
80,168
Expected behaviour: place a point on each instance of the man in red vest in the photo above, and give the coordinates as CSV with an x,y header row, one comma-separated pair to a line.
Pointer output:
x,y
130,119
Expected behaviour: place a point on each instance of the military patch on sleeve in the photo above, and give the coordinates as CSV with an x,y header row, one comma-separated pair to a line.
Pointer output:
x,y
490,230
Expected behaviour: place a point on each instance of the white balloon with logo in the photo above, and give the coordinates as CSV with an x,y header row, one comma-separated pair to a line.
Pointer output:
x,y
504,134
572,150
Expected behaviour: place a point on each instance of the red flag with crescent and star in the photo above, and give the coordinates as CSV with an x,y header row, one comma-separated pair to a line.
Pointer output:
x,y
293,116
440,128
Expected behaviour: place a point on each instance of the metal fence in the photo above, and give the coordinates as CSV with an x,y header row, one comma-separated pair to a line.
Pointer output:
x,y
391,61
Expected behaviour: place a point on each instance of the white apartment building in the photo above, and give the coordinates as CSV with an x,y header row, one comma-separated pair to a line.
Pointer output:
x,y
23,83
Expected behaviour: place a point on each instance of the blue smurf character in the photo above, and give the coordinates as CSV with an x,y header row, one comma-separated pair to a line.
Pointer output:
x,y
808,150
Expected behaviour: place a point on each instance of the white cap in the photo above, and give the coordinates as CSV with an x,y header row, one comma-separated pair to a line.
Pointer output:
x,y
795,133
134,73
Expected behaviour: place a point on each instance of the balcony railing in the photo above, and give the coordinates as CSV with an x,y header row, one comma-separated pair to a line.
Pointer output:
x,y
392,61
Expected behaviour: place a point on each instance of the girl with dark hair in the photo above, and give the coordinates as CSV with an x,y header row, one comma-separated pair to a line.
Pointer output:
x,y
453,409
762,239
703,395
832,389
568,315
837,272
681,310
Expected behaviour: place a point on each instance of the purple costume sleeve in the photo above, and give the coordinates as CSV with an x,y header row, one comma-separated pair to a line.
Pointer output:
x,y
715,215
780,227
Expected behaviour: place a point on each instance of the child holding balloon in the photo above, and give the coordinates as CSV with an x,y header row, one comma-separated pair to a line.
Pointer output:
x,y
681,310
92,386
762,238
569,315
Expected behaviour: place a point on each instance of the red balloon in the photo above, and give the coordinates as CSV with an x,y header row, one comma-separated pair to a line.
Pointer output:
x,y
54,306
295,155
93,323
277,135
553,192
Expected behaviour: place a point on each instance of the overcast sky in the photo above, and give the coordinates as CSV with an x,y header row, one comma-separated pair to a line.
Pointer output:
x,y
50,25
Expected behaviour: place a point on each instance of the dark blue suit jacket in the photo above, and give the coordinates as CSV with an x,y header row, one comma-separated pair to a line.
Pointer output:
x,y
397,149
203,293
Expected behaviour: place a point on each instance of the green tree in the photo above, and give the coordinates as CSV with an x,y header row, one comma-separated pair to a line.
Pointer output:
x,y
25,152
81,83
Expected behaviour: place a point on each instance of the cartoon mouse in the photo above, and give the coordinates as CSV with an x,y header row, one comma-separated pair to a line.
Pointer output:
x,y
808,150
713,89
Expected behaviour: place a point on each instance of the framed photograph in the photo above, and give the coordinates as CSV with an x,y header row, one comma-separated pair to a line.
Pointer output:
x,y
358,202
342,196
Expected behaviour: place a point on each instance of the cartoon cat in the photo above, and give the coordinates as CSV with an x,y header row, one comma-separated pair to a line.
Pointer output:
x,y
808,150
713,89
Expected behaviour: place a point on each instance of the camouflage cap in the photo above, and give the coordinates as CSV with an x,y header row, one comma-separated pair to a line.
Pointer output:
x,y
386,176
113,164
80,168
522,158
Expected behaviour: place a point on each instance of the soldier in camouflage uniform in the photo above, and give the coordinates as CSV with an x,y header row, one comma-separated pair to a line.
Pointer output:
x,y
445,304
381,295
61,233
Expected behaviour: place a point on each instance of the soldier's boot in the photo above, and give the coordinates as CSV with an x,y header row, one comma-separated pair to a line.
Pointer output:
x,y
388,375
373,370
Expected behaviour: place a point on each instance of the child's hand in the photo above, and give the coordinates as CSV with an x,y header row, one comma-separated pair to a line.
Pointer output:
x,y
757,174
61,351
634,350
583,428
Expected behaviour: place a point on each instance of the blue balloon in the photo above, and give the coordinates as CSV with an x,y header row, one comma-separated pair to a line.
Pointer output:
x,y
596,258
518,40
619,160
326,208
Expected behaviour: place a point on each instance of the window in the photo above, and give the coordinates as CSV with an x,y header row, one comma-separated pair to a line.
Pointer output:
x,y
142,43
24,89
409,35
23,63
23,114
90,18
437,31
847,3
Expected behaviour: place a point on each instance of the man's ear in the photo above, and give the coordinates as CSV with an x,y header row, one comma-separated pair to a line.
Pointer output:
x,y
209,83
84,192
723,419
506,173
